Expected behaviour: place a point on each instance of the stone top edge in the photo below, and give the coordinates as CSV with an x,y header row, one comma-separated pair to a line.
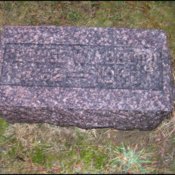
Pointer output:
x,y
83,27
154,37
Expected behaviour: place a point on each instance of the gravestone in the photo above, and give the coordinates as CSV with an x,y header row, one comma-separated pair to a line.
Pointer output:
x,y
85,77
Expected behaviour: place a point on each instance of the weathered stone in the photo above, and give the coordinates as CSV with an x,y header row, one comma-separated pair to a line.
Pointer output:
x,y
85,77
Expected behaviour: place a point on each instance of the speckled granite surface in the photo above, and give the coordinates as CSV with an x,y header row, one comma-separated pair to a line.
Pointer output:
x,y
85,77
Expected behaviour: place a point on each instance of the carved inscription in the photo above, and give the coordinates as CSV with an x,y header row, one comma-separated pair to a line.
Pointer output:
x,y
81,66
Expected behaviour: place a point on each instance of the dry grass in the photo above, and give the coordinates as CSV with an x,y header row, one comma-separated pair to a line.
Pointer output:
x,y
43,148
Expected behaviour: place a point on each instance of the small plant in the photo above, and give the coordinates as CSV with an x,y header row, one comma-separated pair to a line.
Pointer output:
x,y
3,126
129,161
39,156
73,16
95,157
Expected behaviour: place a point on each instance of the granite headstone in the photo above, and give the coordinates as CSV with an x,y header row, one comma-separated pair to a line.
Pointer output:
x,y
85,77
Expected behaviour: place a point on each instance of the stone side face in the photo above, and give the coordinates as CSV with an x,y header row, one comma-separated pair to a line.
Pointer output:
x,y
85,77
88,119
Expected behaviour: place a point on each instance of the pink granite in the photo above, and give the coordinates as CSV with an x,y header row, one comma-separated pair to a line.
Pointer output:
x,y
85,77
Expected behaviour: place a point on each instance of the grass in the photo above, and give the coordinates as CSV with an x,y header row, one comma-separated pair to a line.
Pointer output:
x,y
44,148
130,160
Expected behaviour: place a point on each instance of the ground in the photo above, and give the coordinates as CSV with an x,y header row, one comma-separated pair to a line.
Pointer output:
x,y
44,148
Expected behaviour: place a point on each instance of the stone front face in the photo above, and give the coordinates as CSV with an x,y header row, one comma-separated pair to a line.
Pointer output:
x,y
85,77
